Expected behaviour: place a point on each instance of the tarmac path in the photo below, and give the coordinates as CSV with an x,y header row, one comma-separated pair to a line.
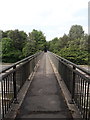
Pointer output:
x,y
44,98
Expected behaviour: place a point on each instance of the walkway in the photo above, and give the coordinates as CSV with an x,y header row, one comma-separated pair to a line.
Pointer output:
x,y
44,98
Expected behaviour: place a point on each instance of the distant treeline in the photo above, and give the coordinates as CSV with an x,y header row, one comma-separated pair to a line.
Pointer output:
x,y
74,46
17,45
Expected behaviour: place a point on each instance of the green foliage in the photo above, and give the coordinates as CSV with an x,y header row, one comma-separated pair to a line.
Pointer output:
x,y
16,44
38,38
19,38
73,47
7,45
75,55
76,31
54,45
63,41
12,56
36,42
9,52
28,49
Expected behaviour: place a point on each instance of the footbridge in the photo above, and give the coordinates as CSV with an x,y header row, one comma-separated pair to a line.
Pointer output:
x,y
44,85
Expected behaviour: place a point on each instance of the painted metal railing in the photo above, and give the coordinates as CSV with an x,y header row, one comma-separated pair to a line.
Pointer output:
x,y
77,81
12,79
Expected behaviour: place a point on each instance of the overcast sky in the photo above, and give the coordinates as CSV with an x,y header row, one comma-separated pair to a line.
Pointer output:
x,y
52,17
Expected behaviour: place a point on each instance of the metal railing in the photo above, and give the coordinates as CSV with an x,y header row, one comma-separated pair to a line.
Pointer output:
x,y
77,81
12,79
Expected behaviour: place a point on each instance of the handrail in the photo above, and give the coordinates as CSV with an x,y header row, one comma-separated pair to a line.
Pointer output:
x,y
12,79
73,64
23,60
77,81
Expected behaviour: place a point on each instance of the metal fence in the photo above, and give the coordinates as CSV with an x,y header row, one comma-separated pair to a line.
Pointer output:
x,y
12,79
77,81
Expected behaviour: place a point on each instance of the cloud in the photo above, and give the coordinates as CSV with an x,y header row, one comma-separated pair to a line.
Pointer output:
x,y
47,15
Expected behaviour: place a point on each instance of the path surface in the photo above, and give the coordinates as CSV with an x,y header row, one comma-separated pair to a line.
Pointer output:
x,y
44,98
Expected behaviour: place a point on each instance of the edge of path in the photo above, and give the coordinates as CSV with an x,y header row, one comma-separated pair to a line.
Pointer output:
x,y
21,95
72,107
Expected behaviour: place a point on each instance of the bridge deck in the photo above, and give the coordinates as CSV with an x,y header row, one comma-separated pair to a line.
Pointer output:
x,y
44,98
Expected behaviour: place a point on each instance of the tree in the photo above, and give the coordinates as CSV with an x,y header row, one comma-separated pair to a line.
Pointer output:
x,y
9,53
76,31
17,45
28,49
38,38
73,47
63,41
36,42
7,45
5,33
54,45
19,38
74,54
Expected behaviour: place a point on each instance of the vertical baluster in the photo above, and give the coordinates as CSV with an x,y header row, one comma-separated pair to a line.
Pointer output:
x,y
76,88
73,83
7,96
8,90
4,96
2,110
14,84
11,87
87,101
84,99
81,94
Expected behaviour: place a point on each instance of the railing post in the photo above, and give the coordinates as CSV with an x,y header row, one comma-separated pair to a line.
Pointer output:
x,y
2,103
14,85
73,83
